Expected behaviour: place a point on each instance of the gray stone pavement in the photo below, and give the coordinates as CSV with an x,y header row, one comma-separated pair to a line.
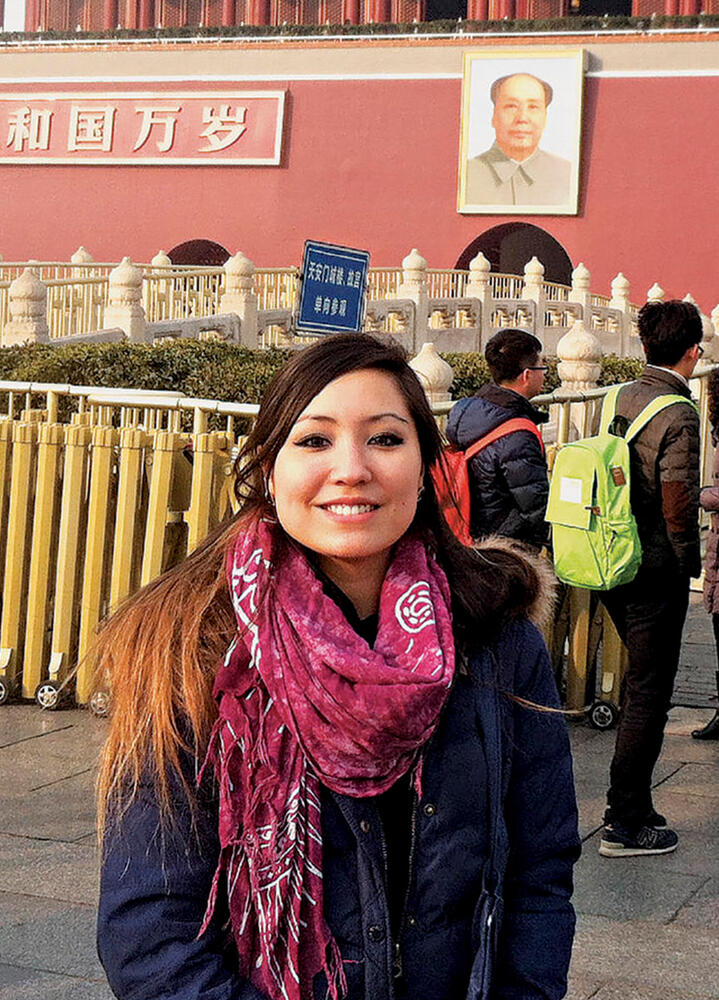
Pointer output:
x,y
648,928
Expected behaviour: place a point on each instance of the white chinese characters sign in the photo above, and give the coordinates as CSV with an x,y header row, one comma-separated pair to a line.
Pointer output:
x,y
225,128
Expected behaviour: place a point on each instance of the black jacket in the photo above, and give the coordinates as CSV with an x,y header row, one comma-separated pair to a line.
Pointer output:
x,y
154,888
508,479
664,473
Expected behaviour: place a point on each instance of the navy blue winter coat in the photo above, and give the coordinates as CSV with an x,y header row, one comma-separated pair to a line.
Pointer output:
x,y
508,479
155,885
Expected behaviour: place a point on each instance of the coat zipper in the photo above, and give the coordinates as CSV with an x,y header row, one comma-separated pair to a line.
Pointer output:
x,y
397,963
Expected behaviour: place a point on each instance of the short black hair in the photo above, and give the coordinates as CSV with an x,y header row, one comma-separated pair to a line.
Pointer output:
x,y
668,329
496,86
509,352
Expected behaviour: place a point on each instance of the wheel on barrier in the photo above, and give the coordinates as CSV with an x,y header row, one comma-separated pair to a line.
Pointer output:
x,y
47,695
99,704
4,691
603,715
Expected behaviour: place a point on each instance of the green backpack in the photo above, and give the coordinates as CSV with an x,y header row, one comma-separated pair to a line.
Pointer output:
x,y
594,533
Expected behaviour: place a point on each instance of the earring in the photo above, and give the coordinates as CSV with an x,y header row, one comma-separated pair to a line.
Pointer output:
x,y
420,491
268,493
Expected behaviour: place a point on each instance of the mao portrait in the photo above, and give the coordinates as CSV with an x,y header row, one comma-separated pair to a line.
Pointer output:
x,y
520,134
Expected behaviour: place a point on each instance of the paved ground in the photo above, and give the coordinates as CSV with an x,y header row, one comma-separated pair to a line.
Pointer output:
x,y
648,928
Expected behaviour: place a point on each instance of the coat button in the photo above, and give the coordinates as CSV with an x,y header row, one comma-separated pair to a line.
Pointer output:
x,y
430,809
376,933
365,825
412,921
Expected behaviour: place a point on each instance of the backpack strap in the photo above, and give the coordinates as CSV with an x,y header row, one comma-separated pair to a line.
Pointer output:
x,y
609,409
500,431
651,409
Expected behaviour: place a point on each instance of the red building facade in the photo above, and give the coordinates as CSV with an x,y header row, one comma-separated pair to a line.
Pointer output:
x,y
353,141
107,15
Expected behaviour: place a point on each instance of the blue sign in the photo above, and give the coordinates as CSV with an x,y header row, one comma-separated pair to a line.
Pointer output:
x,y
334,288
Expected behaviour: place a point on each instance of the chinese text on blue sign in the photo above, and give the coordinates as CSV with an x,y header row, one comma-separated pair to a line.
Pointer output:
x,y
334,287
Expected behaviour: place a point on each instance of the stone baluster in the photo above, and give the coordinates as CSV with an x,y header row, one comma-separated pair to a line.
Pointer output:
x,y
580,292
156,295
656,293
580,365
82,256
161,260
707,342
124,303
715,326
414,286
620,302
433,372
239,297
533,289
479,287
28,311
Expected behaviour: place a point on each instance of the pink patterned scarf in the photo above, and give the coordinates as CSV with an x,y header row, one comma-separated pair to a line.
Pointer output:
x,y
304,701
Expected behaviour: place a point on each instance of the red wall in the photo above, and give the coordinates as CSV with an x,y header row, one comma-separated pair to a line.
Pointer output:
x,y
373,164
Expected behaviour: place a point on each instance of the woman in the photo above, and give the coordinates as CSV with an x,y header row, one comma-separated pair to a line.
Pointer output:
x,y
709,499
384,784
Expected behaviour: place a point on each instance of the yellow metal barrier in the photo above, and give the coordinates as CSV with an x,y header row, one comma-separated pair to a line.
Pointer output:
x,y
90,510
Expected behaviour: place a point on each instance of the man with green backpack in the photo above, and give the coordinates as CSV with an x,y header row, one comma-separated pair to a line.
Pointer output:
x,y
661,424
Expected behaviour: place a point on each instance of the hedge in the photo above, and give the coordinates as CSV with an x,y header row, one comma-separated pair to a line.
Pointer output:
x,y
572,23
214,370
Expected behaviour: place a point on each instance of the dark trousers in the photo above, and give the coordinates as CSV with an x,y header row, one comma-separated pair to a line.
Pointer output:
x,y
649,615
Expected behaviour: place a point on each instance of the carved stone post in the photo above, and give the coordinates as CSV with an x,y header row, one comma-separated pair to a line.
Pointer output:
x,y
239,297
620,301
414,287
715,326
161,260
28,311
479,287
580,292
656,293
124,304
707,342
157,294
580,365
81,256
433,372
534,291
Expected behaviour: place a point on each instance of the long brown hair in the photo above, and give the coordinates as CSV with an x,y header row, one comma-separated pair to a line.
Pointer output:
x,y
160,651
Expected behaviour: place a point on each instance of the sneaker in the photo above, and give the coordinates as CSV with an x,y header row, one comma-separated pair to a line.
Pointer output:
x,y
655,819
617,842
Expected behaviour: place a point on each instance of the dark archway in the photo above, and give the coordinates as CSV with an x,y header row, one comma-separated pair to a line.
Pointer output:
x,y
202,253
508,248
445,10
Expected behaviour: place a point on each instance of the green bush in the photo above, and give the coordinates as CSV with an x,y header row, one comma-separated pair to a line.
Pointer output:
x,y
213,370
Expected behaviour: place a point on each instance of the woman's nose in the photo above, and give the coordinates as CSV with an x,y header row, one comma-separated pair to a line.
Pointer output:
x,y
350,464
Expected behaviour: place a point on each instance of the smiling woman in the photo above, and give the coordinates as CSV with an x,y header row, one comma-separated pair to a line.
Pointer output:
x,y
388,819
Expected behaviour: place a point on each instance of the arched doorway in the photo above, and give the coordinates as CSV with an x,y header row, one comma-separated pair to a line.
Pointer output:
x,y
202,253
509,246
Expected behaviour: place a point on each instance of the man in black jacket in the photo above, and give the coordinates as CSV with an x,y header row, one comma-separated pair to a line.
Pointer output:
x,y
649,612
508,478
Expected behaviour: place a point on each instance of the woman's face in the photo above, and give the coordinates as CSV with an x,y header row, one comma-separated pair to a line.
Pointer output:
x,y
345,482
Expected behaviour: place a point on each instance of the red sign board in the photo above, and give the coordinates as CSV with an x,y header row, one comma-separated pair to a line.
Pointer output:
x,y
225,128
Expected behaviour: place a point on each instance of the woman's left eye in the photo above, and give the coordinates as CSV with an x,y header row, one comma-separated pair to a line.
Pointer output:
x,y
387,440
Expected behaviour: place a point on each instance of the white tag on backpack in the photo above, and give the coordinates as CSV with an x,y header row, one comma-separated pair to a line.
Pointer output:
x,y
570,490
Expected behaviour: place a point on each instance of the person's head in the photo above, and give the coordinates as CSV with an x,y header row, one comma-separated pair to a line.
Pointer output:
x,y
515,361
341,452
520,113
671,333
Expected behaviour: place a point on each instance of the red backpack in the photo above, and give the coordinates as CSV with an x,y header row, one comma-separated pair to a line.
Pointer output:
x,y
451,476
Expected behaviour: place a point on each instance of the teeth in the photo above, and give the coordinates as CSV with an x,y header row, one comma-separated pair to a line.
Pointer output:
x,y
345,509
